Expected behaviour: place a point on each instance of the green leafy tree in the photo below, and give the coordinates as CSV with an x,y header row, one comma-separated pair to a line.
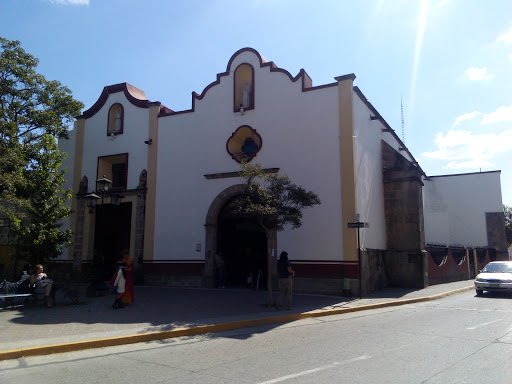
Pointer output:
x,y
507,210
34,113
274,202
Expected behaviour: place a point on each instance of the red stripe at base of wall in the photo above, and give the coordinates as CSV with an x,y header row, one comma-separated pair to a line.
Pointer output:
x,y
304,269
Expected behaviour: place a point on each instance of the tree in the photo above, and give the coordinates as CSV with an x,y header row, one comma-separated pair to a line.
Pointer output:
x,y
507,210
274,202
34,113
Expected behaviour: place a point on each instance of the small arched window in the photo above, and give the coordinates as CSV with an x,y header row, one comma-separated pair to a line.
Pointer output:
x,y
243,88
115,120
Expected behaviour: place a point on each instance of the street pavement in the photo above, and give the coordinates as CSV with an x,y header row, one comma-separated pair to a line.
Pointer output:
x,y
164,312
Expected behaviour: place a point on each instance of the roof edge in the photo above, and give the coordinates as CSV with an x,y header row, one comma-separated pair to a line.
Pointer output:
x,y
133,94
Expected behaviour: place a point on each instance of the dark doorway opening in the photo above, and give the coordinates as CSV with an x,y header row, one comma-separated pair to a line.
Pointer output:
x,y
243,243
112,235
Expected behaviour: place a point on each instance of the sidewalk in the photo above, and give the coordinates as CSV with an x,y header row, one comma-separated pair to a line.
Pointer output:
x,y
160,313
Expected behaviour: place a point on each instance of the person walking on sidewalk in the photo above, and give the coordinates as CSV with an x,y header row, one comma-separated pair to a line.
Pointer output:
x,y
120,284
286,274
129,294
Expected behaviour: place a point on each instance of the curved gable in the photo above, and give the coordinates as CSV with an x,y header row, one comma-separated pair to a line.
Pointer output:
x,y
307,83
132,94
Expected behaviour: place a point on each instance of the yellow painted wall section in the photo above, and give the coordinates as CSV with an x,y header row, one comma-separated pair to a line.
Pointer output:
x,y
348,182
149,225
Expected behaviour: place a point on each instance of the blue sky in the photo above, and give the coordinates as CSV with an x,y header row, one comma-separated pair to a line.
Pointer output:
x,y
449,61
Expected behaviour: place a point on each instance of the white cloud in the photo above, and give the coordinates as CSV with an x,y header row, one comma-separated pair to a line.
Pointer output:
x,y
465,150
478,74
71,2
501,114
466,116
506,37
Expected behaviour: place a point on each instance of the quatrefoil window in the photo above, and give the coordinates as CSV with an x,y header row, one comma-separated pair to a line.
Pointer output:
x,y
244,144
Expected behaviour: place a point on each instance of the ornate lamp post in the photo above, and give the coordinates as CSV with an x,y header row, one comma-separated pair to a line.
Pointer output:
x,y
91,199
97,273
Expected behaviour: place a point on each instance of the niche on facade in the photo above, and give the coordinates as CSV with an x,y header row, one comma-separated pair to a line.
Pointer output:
x,y
114,168
244,144
243,88
115,120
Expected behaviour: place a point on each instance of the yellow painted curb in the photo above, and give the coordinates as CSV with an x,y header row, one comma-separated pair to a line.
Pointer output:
x,y
202,329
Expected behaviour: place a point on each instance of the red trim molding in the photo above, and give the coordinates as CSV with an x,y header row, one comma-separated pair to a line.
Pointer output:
x,y
325,269
307,83
173,268
304,268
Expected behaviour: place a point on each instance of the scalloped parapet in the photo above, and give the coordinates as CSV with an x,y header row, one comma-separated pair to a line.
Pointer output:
x,y
133,94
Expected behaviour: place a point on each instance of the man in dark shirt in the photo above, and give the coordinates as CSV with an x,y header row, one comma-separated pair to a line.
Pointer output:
x,y
286,274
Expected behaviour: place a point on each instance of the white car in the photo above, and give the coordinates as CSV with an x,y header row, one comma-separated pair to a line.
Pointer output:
x,y
496,276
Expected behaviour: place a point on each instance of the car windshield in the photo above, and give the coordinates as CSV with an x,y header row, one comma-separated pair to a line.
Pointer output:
x,y
498,267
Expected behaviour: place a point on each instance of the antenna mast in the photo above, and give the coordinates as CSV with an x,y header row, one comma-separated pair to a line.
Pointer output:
x,y
403,127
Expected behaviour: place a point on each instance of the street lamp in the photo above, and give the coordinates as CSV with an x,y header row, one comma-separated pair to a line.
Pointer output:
x,y
116,198
91,199
102,189
102,185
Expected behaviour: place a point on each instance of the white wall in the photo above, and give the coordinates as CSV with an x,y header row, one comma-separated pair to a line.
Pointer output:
x,y
300,135
131,141
455,207
369,187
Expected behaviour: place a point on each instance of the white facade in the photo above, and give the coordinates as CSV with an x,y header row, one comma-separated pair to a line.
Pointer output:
x,y
300,136
98,144
328,139
455,208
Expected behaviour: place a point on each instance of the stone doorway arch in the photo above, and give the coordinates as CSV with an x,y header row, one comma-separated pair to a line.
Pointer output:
x,y
212,226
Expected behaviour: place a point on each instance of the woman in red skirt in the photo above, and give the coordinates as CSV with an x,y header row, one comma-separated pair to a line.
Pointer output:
x,y
128,296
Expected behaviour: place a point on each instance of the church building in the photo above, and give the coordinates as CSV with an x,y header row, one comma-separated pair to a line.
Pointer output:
x,y
170,175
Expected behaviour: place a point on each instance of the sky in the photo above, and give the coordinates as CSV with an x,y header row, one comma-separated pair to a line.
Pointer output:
x,y
447,62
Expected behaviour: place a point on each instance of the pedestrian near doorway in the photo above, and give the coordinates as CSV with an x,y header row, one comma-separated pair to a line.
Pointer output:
x,y
129,294
120,284
286,274
221,270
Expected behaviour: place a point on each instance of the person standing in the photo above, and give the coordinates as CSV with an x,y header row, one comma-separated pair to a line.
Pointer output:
x,y
129,294
221,270
120,284
286,274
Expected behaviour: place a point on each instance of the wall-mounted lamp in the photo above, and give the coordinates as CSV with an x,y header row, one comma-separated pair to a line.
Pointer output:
x,y
92,200
116,198
102,187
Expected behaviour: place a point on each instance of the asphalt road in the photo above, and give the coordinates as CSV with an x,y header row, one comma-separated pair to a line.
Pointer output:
x,y
458,339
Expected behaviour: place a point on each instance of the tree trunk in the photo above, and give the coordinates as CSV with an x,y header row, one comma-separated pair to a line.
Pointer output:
x,y
270,299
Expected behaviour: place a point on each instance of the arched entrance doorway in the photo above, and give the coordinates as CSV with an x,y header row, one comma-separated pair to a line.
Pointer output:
x,y
218,225
243,244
